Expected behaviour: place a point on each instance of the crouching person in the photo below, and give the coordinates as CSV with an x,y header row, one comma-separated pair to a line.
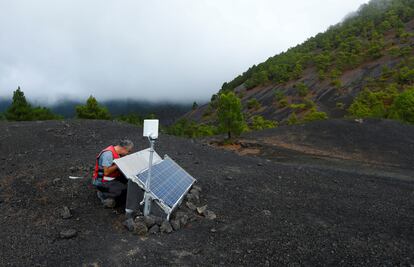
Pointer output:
x,y
112,185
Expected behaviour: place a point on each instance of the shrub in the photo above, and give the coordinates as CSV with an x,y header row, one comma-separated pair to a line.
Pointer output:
x,y
253,104
205,130
406,75
298,106
260,123
42,113
293,119
258,78
278,95
367,104
150,116
340,105
209,111
283,103
373,104
309,103
132,118
336,83
321,75
178,128
403,106
302,89
92,110
190,129
315,115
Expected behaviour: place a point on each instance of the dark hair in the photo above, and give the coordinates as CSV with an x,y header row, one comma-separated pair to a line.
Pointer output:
x,y
126,143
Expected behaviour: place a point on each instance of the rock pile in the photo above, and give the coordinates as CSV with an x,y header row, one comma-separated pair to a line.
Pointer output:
x,y
189,211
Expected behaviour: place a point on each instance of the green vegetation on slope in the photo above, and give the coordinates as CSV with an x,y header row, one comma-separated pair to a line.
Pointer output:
x,y
344,46
377,31
389,95
21,110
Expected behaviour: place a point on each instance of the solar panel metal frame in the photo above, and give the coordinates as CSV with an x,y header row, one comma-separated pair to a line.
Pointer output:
x,y
132,163
167,209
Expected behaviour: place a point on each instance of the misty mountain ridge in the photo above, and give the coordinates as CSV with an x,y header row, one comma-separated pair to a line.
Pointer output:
x,y
167,112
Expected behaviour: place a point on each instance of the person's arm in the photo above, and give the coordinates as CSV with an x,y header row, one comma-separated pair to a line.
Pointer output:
x,y
108,163
109,170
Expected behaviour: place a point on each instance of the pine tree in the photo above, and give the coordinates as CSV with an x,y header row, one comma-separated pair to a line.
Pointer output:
x,y
20,109
92,110
230,116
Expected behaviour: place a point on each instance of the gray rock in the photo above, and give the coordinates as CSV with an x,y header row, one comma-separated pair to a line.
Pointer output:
x,y
191,206
154,229
129,224
149,221
193,198
140,228
195,192
267,213
158,220
210,215
139,219
175,224
192,218
183,220
198,188
202,209
65,213
166,227
69,233
179,214
109,203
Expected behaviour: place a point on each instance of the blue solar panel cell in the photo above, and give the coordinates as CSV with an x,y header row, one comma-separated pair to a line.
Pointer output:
x,y
169,182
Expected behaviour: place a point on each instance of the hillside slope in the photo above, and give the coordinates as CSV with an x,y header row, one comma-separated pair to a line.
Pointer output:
x,y
372,49
268,213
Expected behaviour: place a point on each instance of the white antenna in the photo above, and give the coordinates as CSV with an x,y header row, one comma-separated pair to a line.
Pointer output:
x,y
150,131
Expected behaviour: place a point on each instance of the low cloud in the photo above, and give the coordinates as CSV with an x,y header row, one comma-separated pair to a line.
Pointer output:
x,y
178,50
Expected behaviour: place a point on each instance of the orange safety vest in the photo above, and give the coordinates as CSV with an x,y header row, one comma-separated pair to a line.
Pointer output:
x,y
98,174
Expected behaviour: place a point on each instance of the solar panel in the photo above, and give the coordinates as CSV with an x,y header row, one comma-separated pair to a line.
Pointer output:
x,y
135,163
169,183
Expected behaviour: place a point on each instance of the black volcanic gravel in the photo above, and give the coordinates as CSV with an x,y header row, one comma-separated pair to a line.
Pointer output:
x,y
267,213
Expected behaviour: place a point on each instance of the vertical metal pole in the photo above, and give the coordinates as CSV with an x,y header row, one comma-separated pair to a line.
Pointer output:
x,y
147,207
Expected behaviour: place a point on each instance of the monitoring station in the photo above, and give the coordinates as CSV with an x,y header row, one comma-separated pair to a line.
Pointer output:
x,y
163,180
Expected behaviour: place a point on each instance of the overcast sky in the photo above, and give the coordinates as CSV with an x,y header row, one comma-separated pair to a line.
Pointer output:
x,y
177,50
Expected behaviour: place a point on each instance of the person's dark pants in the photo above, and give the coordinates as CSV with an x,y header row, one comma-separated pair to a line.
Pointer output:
x,y
113,189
